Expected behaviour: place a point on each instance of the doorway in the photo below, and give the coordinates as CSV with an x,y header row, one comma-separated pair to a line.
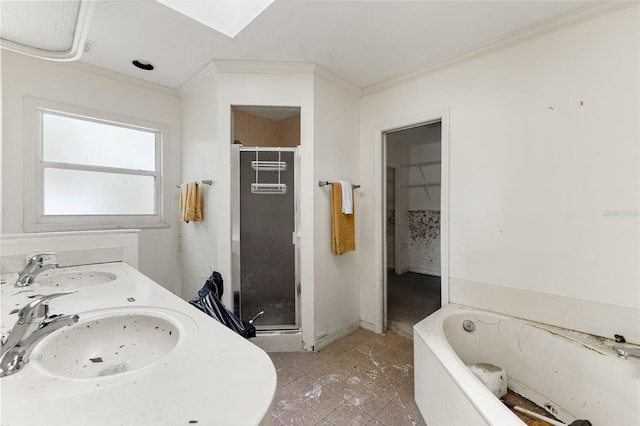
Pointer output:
x,y
413,225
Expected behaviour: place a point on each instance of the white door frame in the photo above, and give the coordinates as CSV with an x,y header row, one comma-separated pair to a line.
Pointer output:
x,y
380,212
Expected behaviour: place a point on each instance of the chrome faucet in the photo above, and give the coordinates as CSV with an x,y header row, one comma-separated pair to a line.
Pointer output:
x,y
34,323
627,352
35,266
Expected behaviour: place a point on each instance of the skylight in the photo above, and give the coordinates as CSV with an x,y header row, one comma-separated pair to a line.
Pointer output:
x,y
226,16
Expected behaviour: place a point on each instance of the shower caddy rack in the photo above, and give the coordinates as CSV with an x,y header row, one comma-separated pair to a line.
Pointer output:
x,y
268,166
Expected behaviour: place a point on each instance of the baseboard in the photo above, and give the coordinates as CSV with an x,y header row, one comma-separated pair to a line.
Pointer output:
x,y
401,271
327,339
425,271
367,326
276,341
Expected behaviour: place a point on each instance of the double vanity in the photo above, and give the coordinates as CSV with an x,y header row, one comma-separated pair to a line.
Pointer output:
x,y
135,355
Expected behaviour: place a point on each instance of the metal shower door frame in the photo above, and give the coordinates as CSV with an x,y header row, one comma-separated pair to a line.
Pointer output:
x,y
235,225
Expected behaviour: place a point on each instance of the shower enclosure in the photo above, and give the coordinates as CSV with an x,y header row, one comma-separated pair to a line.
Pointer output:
x,y
265,229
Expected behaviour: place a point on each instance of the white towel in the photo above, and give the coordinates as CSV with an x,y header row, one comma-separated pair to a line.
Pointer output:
x,y
347,197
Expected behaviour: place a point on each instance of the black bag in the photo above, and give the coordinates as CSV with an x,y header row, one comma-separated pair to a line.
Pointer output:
x,y
208,301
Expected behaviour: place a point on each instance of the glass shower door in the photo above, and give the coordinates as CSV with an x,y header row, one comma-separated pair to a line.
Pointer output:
x,y
267,229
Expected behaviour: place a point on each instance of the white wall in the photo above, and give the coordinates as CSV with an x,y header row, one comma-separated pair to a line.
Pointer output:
x,y
335,157
89,87
397,155
329,151
288,86
544,154
390,228
207,101
1,147
199,240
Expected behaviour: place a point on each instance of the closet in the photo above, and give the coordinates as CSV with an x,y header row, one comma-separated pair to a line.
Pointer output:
x,y
413,172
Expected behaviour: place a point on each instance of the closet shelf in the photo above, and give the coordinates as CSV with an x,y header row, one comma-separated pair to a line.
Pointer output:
x,y
420,185
426,163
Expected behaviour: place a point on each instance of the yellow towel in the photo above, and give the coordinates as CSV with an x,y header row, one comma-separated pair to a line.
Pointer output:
x,y
343,237
190,207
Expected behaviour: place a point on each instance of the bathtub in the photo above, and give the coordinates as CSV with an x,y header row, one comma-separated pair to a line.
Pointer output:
x,y
572,375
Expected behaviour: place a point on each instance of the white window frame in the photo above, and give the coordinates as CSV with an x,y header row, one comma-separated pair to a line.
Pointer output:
x,y
34,165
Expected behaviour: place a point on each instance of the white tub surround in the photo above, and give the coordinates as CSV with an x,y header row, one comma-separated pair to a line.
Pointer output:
x,y
573,375
205,375
591,317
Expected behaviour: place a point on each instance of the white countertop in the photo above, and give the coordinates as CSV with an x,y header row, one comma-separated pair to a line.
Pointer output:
x,y
212,377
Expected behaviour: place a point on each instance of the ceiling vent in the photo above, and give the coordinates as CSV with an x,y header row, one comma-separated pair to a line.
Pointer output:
x,y
88,45
54,30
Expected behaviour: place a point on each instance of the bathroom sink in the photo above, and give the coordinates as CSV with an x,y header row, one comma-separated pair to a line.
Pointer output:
x,y
108,344
74,280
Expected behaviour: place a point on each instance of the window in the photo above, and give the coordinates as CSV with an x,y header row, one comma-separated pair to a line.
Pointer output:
x,y
92,170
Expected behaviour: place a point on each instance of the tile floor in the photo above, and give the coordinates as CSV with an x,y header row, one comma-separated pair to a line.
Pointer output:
x,y
361,379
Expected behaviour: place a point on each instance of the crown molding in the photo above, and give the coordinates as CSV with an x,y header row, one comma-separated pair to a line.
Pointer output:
x,y
123,78
209,69
218,66
335,78
268,67
263,67
591,11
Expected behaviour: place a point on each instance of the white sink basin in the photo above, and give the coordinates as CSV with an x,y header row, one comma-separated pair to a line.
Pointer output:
x,y
73,280
107,344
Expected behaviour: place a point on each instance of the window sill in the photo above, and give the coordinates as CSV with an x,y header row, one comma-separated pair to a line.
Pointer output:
x,y
60,224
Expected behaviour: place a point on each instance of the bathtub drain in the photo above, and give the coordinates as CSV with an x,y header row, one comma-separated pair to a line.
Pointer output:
x,y
468,325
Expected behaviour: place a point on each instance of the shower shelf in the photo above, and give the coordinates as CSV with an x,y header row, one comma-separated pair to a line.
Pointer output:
x,y
268,188
269,166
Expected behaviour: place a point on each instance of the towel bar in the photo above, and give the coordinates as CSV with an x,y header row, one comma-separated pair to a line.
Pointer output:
x,y
204,182
326,182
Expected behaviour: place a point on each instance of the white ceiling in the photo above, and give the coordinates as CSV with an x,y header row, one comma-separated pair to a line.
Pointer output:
x,y
364,41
